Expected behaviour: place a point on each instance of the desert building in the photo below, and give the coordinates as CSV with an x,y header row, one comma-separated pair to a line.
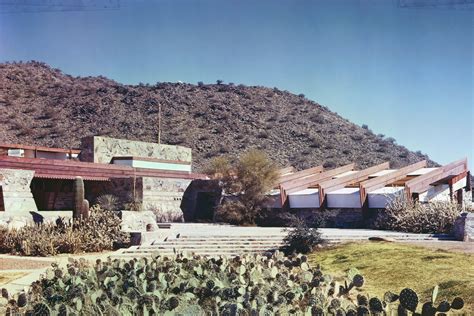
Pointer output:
x,y
40,179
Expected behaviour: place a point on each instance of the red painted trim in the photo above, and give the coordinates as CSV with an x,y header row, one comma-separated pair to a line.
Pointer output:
x,y
150,159
68,168
40,148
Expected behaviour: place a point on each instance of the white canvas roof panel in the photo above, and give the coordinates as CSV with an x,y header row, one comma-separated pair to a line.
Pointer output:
x,y
381,197
421,171
306,192
345,174
382,173
344,198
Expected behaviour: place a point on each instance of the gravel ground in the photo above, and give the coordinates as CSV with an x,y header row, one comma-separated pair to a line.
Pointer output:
x,y
23,264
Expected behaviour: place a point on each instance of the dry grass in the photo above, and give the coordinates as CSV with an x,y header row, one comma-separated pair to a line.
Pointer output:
x,y
394,266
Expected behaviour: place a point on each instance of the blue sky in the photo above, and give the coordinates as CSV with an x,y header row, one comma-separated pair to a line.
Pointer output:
x,y
406,72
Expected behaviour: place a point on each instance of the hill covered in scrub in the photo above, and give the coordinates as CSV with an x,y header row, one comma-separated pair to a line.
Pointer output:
x,y
41,105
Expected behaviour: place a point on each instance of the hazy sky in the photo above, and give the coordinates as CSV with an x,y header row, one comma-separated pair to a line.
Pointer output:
x,y
406,72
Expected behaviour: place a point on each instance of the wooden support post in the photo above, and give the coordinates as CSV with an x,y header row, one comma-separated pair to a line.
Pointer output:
x,y
459,196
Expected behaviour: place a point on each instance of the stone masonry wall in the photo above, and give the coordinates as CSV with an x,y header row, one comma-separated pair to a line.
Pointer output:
x,y
122,188
163,197
17,196
103,149
464,227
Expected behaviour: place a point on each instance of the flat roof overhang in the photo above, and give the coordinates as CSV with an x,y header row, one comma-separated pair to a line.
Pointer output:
x,y
68,169
40,148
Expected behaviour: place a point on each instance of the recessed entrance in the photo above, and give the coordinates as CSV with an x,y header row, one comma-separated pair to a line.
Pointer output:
x,y
205,205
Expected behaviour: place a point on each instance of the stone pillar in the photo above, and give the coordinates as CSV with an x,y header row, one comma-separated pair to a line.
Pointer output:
x,y
17,196
464,227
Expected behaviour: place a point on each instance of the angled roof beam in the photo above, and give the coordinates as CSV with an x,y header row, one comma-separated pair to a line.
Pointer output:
x,y
379,182
286,170
421,183
301,184
300,174
339,183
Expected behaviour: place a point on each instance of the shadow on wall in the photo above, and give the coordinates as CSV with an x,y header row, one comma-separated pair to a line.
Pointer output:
x,y
200,200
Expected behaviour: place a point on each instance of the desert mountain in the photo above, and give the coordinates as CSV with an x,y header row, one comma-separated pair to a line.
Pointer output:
x,y
41,105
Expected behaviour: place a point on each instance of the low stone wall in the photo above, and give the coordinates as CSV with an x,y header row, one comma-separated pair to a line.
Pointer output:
x,y
337,218
103,149
163,197
17,196
138,221
464,227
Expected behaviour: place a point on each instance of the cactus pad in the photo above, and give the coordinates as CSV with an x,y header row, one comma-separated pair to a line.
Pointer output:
x,y
375,305
458,303
408,299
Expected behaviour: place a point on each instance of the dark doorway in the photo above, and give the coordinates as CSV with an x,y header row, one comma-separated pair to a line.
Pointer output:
x,y
205,205
2,203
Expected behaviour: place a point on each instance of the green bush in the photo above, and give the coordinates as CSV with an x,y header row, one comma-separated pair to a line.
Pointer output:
x,y
101,231
182,285
302,238
402,214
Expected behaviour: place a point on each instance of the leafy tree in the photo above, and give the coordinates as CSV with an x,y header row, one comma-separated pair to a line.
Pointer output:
x,y
245,183
219,81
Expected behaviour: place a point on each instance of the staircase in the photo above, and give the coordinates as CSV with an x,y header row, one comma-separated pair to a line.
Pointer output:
x,y
213,240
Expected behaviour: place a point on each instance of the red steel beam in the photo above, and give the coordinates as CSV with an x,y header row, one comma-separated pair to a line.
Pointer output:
x,y
286,170
300,174
300,184
379,182
49,167
421,183
339,183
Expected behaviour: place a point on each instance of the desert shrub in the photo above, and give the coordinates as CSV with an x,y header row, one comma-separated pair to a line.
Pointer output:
x,y
245,182
101,231
317,118
314,143
403,214
167,216
365,126
329,164
231,212
108,202
262,134
185,285
134,204
301,238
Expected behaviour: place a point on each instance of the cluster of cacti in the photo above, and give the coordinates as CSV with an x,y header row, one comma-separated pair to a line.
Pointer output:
x,y
100,231
407,302
193,285
81,205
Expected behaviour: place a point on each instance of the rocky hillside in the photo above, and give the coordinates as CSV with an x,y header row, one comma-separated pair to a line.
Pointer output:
x,y
41,105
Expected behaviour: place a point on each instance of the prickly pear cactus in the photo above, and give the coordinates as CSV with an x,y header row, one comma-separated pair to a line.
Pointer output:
x,y
196,285
408,299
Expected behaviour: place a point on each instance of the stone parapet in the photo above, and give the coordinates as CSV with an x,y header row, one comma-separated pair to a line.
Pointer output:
x,y
102,149
17,196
